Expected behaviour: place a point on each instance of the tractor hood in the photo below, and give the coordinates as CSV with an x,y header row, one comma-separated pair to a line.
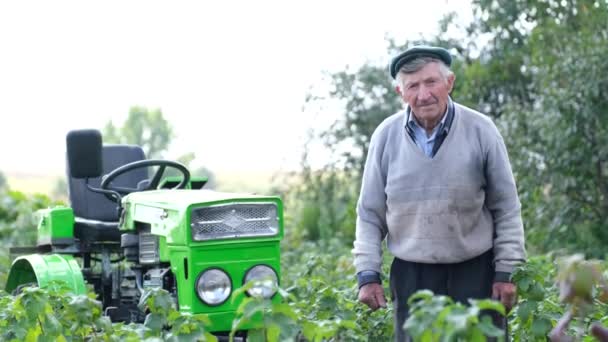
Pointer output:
x,y
180,215
176,199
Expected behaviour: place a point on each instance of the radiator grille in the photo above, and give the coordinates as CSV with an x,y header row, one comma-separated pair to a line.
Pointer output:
x,y
149,252
234,220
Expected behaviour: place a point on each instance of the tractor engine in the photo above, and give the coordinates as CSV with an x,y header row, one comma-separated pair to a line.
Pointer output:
x,y
142,270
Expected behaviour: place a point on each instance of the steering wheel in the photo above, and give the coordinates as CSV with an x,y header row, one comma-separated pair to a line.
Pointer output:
x,y
145,185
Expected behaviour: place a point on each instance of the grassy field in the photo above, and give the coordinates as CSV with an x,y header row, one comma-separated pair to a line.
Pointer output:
x,y
32,183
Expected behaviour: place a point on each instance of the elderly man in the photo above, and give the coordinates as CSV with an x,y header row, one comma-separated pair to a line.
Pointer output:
x,y
438,186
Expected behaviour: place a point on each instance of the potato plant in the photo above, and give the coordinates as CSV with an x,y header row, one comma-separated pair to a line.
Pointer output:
x,y
320,304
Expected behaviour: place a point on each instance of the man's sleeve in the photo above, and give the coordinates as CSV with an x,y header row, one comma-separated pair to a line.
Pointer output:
x,y
371,212
503,202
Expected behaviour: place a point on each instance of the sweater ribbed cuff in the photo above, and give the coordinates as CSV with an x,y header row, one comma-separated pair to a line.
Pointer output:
x,y
368,277
502,277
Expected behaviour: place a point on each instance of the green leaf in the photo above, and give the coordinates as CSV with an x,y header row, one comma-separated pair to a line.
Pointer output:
x,y
272,333
540,326
524,284
256,335
537,292
477,336
47,338
32,334
349,324
52,326
155,322
284,309
309,329
210,338
525,310
255,306
420,295
487,327
458,318
488,304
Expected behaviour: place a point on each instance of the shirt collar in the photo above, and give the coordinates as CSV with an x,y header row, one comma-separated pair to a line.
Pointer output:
x,y
411,122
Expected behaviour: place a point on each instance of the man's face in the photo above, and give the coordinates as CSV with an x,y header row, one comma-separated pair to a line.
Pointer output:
x,y
426,92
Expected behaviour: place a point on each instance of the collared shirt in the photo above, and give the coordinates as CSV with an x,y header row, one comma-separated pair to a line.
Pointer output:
x,y
419,135
424,141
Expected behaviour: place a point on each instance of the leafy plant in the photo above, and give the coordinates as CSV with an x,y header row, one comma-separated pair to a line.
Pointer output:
x,y
50,314
280,320
435,318
320,277
581,284
54,314
540,307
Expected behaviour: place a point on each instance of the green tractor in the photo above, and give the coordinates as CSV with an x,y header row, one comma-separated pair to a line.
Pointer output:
x,y
126,232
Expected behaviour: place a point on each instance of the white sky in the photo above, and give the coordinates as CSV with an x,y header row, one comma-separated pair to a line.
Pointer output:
x,y
231,76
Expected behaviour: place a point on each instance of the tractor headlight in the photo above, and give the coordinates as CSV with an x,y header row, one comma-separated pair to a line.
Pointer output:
x,y
213,286
234,220
265,279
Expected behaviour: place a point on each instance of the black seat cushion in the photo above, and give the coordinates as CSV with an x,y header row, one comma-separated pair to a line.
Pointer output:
x,y
96,216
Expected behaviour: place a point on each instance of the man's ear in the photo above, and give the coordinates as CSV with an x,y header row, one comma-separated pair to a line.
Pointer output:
x,y
398,89
451,80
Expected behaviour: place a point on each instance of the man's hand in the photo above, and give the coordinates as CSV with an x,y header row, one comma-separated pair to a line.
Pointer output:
x,y
506,293
372,295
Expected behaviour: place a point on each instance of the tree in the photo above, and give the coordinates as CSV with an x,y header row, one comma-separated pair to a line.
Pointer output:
x,y
143,127
60,190
202,171
205,172
3,183
559,140
543,77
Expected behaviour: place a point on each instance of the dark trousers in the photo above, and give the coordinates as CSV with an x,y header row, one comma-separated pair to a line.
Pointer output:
x,y
461,281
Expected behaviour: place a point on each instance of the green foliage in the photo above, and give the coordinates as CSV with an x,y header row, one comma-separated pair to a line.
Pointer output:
x,y
319,304
368,98
280,320
556,138
143,127
322,205
60,189
3,183
49,315
539,309
150,130
320,280
434,318
165,322
17,223
53,314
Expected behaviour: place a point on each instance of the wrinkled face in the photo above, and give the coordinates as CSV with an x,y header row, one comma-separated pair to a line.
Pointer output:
x,y
426,91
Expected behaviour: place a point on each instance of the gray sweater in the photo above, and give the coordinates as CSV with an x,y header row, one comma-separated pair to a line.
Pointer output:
x,y
446,209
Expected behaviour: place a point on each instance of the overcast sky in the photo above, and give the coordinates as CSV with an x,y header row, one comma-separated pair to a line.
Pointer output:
x,y
230,76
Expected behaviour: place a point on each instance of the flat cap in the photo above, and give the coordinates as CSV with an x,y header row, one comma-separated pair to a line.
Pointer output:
x,y
419,51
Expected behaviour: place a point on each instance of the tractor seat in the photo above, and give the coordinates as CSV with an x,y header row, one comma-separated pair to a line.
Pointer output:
x,y
96,216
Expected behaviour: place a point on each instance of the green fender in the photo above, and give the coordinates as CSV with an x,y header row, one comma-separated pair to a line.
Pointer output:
x,y
43,269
